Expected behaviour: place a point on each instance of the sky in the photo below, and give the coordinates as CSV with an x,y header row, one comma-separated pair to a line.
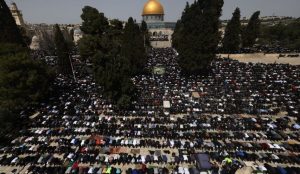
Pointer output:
x,y
69,11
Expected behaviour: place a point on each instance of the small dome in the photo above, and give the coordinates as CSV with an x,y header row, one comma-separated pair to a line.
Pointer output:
x,y
153,7
77,31
35,39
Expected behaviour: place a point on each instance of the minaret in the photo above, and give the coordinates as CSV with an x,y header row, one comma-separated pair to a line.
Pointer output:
x,y
16,13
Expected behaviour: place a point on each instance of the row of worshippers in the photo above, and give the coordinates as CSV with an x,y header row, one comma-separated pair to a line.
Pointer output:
x,y
68,124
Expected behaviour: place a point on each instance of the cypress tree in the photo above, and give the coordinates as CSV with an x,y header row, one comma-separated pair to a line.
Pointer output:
x,y
116,24
9,30
232,37
62,51
145,32
252,31
116,32
176,36
133,47
114,52
72,34
197,35
23,81
94,23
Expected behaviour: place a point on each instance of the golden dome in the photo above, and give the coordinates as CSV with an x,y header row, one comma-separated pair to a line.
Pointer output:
x,y
153,7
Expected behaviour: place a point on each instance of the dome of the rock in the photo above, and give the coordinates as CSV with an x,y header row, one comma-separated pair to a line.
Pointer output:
x,y
153,7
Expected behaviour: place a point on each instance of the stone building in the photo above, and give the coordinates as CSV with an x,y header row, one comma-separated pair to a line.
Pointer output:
x,y
159,30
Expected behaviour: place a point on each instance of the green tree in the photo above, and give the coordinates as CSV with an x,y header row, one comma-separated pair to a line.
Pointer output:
x,y
177,35
115,32
292,32
112,74
88,46
281,34
46,39
133,47
103,48
62,51
10,33
7,49
116,24
69,39
94,23
252,31
23,81
25,37
93,26
145,32
197,35
71,34
232,37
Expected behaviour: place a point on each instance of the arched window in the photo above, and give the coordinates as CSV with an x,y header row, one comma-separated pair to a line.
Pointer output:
x,y
154,33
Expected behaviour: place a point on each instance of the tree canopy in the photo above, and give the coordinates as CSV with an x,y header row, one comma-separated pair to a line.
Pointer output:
x,y
133,47
94,23
10,33
23,81
116,53
232,37
283,35
196,35
252,30
145,32
62,51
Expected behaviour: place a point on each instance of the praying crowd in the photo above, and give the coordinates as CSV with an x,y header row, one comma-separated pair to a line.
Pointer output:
x,y
239,113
